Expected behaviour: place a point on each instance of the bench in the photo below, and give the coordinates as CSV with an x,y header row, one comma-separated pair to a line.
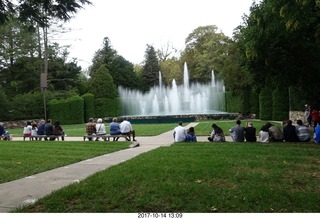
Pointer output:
x,y
40,137
105,137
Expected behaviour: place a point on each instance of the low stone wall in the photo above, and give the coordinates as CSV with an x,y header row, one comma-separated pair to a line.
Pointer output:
x,y
296,115
18,124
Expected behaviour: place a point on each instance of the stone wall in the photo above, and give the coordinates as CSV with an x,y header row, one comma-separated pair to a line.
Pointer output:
x,y
18,124
295,115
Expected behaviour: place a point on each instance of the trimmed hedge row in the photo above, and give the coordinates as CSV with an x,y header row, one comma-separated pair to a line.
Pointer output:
x,y
68,111
89,106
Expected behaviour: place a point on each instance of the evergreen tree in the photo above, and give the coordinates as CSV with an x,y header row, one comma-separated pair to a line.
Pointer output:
x,y
151,68
102,85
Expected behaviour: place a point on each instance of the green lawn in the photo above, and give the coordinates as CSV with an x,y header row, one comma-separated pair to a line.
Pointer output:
x,y
21,159
200,177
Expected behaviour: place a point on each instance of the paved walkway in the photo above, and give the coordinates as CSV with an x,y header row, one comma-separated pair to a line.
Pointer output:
x,y
27,190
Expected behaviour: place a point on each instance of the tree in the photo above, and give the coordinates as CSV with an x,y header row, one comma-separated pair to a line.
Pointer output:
x,y
280,42
40,11
206,50
121,70
102,85
151,68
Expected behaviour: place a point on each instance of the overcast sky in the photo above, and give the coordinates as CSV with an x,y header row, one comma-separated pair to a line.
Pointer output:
x,y
131,25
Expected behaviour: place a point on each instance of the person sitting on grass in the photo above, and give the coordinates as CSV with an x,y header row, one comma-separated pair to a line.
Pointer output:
x,y
115,129
250,133
264,134
317,134
237,132
302,132
179,133
217,134
275,134
191,135
290,133
126,129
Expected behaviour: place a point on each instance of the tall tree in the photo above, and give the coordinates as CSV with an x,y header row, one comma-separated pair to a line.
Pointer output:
x,y
151,68
39,10
102,85
121,70
206,50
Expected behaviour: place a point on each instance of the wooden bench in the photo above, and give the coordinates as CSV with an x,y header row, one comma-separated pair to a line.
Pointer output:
x,y
40,137
105,137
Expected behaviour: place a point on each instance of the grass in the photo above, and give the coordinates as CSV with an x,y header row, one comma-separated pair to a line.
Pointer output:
x,y
200,177
21,159
80,129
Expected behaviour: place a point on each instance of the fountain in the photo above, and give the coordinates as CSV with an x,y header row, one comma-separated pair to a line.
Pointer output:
x,y
184,99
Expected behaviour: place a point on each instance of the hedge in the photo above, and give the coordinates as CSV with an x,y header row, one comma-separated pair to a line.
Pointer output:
x,y
106,107
89,109
265,104
280,99
68,111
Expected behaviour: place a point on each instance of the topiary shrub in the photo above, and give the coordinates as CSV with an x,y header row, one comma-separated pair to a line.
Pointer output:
x,y
265,104
280,100
89,106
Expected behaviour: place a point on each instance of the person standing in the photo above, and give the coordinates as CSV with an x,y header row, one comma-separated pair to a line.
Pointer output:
x,y
237,132
315,117
90,128
302,132
126,129
179,133
307,115
250,133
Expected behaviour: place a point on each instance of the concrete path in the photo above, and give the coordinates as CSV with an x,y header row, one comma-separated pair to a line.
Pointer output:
x,y
27,190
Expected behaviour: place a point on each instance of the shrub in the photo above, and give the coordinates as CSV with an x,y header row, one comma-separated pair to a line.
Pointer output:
x,y
280,100
265,103
89,107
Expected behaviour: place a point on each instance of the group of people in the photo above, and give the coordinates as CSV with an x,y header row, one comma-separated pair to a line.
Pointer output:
x,y
99,128
238,133
32,129
312,116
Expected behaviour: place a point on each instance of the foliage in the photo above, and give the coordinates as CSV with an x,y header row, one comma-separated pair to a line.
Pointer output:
x,y
106,107
121,70
101,84
280,100
151,68
89,106
66,111
280,42
206,50
171,69
27,106
39,10
4,106
265,102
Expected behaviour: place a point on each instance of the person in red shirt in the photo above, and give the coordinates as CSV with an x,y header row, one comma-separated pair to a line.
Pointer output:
x,y
315,115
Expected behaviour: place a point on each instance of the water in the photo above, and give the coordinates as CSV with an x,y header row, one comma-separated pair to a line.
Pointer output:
x,y
195,98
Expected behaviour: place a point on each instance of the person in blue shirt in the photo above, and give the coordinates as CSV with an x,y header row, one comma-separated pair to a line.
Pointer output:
x,y
5,134
317,134
115,128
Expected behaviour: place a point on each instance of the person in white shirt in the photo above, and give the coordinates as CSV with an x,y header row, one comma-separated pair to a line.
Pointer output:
x,y
179,133
126,129
264,134
101,128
